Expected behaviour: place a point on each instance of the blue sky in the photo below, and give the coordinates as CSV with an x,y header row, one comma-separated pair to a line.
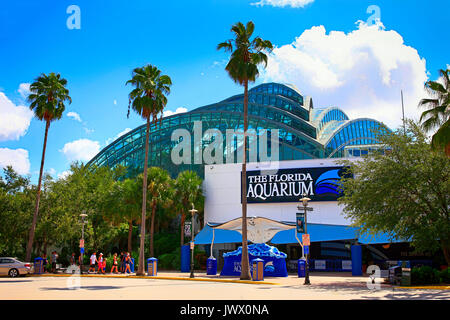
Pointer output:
x,y
180,37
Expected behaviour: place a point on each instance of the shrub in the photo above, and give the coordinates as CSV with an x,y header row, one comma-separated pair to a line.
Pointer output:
x,y
444,276
424,275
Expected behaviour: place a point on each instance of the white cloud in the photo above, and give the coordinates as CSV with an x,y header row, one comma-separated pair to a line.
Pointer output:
x,y
82,149
51,171
17,158
74,115
170,113
64,174
24,89
117,136
282,3
115,102
14,120
361,72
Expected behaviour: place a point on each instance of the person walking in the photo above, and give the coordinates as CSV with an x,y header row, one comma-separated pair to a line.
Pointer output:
x,y
93,260
100,263
44,262
73,260
122,262
54,259
114,265
128,262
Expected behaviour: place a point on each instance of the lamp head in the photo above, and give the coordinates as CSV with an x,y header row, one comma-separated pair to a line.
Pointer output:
x,y
305,199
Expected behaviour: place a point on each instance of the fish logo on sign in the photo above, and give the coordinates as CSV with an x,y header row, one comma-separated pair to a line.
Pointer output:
x,y
329,183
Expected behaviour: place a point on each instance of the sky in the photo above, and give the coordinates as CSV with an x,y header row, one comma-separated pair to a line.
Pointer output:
x,y
357,55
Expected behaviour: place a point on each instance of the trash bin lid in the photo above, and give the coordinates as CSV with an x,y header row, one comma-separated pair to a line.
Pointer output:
x,y
257,260
152,259
38,258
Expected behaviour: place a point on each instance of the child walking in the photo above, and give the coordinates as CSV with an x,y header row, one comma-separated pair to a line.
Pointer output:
x,y
114,264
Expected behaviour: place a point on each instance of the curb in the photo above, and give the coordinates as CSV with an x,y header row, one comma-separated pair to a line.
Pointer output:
x,y
156,277
436,287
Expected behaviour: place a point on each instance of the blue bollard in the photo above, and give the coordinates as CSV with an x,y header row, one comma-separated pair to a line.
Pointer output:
x,y
211,266
152,267
38,265
301,268
258,269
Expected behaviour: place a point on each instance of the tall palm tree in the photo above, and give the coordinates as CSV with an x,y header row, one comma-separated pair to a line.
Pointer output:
x,y
437,115
148,99
188,189
47,98
246,55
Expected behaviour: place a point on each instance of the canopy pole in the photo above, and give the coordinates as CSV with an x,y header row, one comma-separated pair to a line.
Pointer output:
x,y
212,243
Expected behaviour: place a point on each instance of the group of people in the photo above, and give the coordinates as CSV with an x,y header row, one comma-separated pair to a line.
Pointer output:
x,y
120,264
53,260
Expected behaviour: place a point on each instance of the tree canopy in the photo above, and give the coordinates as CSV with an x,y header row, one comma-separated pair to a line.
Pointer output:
x,y
404,191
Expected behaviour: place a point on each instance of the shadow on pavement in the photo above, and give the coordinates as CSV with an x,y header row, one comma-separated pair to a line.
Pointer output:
x,y
85,287
12,281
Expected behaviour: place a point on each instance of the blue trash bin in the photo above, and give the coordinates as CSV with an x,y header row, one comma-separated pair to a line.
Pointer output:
x,y
152,267
132,265
301,268
38,265
258,269
211,266
185,258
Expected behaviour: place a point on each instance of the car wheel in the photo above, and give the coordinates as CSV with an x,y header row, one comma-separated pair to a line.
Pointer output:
x,y
13,273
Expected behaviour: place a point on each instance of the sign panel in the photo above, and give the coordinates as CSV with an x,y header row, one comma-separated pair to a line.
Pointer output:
x,y
81,243
288,185
305,239
306,249
82,250
192,245
300,222
187,229
347,265
320,264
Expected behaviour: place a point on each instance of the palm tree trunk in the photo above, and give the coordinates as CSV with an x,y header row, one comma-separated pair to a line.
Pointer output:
x,y
38,198
245,267
182,229
130,236
152,227
144,204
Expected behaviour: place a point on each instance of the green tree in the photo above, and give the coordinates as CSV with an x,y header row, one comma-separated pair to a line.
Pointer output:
x,y
404,192
246,55
159,190
123,204
47,100
188,190
437,115
148,99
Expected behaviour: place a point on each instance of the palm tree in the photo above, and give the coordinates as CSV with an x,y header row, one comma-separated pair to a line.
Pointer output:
x,y
159,188
438,114
243,68
188,189
47,98
148,99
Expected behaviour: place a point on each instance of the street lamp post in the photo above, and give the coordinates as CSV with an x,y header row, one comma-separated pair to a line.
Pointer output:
x,y
193,212
304,201
83,216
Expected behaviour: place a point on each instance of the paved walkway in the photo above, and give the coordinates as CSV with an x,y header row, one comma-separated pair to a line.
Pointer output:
x,y
178,286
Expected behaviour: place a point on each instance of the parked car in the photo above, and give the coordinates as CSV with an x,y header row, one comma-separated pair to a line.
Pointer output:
x,y
13,267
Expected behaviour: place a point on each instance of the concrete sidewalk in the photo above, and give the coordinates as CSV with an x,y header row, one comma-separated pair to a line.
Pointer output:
x,y
316,278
